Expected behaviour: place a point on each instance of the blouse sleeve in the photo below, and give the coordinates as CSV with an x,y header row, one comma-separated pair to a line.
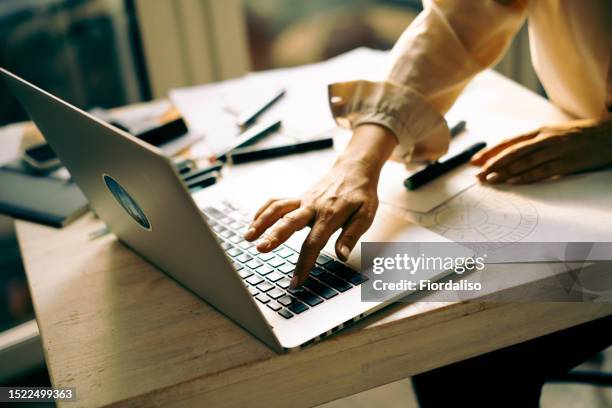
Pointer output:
x,y
447,44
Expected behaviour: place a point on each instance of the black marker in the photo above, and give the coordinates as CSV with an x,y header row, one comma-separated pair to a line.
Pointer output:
x,y
202,181
194,173
249,117
434,170
251,136
252,154
458,128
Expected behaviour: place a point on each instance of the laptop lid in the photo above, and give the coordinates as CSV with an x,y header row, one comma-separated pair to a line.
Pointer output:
x,y
138,193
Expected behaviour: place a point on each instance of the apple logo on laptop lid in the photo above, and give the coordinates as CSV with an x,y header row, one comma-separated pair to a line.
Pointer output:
x,y
127,202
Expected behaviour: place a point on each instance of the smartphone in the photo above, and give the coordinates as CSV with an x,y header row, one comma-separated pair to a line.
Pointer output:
x,y
41,157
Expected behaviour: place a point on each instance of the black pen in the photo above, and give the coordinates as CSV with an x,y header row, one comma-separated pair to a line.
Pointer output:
x,y
202,181
251,136
249,117
436,169
250,154
458,128
193,173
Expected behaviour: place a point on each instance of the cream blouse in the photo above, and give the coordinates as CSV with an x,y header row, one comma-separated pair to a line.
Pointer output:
x,y
450,41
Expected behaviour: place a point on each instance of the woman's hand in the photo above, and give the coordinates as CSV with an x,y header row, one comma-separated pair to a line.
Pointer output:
x,y
345,198
548,152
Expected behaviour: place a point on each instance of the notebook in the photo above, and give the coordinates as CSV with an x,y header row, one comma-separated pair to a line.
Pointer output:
x,y
44,200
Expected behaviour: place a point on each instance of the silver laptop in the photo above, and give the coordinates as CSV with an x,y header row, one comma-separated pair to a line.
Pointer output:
x,y
139,194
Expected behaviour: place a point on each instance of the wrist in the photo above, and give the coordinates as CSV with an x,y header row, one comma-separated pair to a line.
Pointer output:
x,y
369,148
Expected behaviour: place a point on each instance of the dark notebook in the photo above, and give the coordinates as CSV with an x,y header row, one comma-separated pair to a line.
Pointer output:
x,y
44,200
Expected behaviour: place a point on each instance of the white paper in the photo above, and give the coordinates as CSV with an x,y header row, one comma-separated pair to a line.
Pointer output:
x,y
211,109
572,209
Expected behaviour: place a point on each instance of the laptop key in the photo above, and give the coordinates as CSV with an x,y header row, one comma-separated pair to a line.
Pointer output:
x,y
254,280
284,283
346,273
336,283
275,261
245,245
263,270
357,278
286,300
309,298
334,266
233,252
245,273
262,298
323,259
244,257
253,291
213,212
316,271
339,269
319,288
274,306
275,276
275,293
237,266
227,234
284,252
253,251
285,313
265,256
235,239
297,307
265,286
226,245
254,263
293,258
286,268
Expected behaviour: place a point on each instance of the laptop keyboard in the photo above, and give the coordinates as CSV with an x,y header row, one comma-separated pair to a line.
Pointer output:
x,y
267,275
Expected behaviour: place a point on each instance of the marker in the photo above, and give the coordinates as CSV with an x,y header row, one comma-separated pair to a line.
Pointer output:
x,y
203,181
194,173
458,128
249,117
246,155
436,169
251,136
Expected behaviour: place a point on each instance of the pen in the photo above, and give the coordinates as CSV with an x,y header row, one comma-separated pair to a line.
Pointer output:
x,y
202,181
434,170
250,154
251,136
458,128
247,118
194,173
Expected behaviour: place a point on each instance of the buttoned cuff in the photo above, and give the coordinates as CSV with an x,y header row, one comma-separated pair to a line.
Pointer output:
x,y
421,131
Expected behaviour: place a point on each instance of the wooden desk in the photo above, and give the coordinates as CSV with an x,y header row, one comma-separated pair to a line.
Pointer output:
x,y
122,333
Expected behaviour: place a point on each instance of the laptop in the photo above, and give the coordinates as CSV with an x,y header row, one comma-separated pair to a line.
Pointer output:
x,y
139,194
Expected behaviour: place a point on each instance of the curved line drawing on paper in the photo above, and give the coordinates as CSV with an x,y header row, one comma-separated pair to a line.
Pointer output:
x,y
482,214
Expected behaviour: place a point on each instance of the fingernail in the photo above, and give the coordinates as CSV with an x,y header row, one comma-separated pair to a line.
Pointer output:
x,y
264,244
249,234
493,177
345,251
294,282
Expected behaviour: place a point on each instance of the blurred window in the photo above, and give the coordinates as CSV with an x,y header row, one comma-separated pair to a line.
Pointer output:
x,y
85,51
289,32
